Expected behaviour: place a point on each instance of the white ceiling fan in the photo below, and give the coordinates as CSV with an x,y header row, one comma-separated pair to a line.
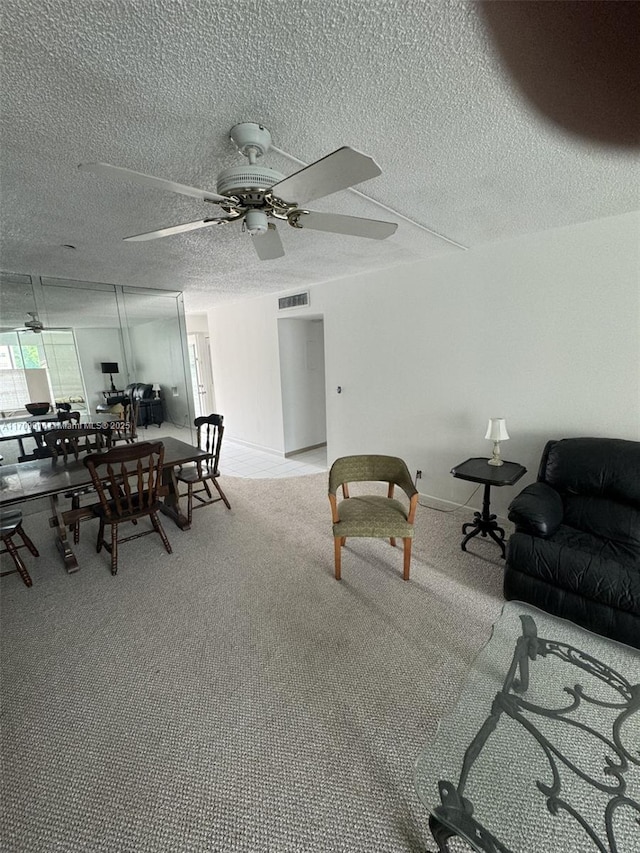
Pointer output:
x,y
34,324
254,194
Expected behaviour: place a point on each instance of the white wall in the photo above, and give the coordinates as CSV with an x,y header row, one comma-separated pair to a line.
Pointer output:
x,y
157,357
96,345
197,323
543,330
301,349
246,372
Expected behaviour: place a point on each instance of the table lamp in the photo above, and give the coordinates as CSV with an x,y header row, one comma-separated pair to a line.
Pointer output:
x,y
110,367
496,432
156,390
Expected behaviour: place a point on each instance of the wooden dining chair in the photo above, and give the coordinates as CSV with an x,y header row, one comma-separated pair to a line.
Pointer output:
x,y
69,444
40,429
128,481
10,526
371,515
204,473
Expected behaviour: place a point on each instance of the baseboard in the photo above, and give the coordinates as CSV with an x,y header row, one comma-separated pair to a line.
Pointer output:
x,y
260,447
440,504
304,449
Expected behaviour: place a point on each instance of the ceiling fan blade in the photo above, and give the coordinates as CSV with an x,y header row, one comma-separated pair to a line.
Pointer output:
x,y
149,181
341,169
268,246
335,223
179,229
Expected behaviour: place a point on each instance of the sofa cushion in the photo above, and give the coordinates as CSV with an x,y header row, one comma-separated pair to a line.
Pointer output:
x,y
603,467
616,521
598,569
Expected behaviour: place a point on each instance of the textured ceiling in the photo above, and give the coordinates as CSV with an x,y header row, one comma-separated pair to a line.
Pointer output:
x,y
155,86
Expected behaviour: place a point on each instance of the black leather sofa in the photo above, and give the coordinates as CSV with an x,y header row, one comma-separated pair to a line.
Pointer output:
x,y
576,549
150,409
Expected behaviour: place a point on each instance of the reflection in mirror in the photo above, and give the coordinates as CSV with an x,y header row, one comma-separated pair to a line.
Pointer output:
x,y
92,311
16,300
86,325
155,323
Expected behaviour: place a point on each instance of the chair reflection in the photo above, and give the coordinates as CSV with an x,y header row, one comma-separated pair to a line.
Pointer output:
x,y
39,430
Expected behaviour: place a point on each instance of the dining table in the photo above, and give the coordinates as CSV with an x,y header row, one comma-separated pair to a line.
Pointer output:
x,y
51,478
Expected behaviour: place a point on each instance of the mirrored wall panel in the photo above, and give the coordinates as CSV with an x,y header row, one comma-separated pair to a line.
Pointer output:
x,y
83,342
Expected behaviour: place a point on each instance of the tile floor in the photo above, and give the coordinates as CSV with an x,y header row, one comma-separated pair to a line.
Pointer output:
x,y
237,460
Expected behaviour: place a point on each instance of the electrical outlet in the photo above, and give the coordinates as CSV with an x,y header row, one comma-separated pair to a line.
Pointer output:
x,y
418,474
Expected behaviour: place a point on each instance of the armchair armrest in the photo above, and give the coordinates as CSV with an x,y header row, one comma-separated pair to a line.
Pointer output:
x,y
537,510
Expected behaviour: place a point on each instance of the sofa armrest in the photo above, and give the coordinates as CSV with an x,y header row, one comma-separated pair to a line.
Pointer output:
x,y
537,510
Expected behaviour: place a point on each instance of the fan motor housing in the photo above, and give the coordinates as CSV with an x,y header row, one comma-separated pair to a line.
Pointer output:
x,y
245,181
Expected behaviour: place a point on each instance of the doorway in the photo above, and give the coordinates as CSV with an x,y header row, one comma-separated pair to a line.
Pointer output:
x,y
302,379
201,374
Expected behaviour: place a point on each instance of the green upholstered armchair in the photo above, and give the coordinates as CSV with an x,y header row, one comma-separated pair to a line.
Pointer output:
x,y
372,516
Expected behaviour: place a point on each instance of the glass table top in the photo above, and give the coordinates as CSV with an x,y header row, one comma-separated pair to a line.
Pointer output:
x,y
553,767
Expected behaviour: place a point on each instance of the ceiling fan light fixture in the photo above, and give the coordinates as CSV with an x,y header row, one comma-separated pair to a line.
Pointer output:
x,y
244,180
256,222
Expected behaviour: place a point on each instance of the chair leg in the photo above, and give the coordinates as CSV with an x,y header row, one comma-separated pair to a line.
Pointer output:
x,y
75,504
20,566
114,549
27,541
343,541
337,545
407,557
190,503
222,494
160,529
207,489
393,541
100,540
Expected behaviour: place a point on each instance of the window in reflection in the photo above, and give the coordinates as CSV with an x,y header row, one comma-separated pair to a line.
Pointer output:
x,y
38,368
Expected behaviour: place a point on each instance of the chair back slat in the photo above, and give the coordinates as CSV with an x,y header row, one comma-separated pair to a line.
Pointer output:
x,y
128,478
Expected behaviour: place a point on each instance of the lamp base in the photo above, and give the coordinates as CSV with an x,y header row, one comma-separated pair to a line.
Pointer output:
x,y
495,458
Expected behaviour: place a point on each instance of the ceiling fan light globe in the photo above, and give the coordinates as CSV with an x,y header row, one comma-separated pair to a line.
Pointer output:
x,y
256,222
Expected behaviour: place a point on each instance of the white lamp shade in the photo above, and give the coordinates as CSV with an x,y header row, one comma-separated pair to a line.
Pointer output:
x,y
156,386
497,429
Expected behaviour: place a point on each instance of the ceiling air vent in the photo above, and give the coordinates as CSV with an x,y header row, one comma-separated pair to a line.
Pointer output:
x,y
295,301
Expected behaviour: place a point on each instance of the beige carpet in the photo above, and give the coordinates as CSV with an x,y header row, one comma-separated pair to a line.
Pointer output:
x,y
233,696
